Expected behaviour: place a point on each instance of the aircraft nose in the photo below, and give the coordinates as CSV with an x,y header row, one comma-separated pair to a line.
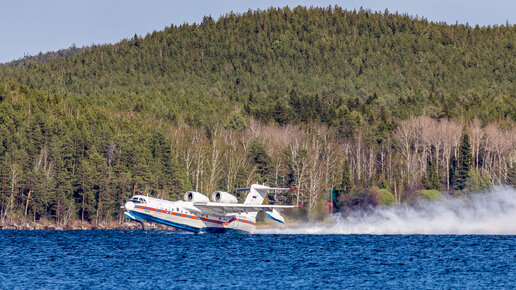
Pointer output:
x,y
129,205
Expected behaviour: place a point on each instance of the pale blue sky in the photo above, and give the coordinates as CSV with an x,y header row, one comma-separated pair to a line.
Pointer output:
x,y
31,26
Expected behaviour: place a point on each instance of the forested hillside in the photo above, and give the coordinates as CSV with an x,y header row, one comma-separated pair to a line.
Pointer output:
x,y
48,56
378,105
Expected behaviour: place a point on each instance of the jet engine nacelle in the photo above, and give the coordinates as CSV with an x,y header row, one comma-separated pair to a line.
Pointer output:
x,y
223,197
194,196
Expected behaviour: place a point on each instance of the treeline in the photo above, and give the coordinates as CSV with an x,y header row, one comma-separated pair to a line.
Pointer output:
x,y
379,106
64,161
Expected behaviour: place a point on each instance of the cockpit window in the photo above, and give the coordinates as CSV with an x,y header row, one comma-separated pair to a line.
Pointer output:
x,y
136,199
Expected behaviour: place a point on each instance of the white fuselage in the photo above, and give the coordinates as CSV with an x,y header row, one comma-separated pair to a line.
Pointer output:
x,y
184,215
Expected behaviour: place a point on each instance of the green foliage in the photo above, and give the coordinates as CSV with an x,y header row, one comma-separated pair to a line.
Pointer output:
x,y
346,184
386,197
83,129
465,160
236,121
342,68
478,182
262,160
429,194
430,180
78,162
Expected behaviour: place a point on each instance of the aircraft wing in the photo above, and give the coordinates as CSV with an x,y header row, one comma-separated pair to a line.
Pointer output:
x,y
226,208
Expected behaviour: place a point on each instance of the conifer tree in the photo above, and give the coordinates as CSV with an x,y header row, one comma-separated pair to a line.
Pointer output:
x,y
464,163
346,184
430,179
259,156
347,181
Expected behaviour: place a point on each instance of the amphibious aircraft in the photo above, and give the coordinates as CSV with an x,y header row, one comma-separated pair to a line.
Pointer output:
x,y
198,214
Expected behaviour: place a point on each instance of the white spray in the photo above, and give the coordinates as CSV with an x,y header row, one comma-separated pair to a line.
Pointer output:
x,y
491,213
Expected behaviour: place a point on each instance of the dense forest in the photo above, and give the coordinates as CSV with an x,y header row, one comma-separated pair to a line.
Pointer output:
x,y
382,107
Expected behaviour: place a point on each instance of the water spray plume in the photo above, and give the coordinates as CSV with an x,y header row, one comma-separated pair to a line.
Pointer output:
x,y
492,213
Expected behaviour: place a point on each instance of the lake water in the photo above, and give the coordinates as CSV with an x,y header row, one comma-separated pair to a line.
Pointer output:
x,y
167,259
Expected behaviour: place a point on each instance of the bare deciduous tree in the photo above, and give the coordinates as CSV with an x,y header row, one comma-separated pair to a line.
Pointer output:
x,y
451,133
476,134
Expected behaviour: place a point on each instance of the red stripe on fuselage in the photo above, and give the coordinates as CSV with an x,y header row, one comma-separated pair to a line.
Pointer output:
x,y
194,217
246,221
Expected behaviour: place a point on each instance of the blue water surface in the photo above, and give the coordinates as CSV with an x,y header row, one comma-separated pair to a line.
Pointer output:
x,y
168,259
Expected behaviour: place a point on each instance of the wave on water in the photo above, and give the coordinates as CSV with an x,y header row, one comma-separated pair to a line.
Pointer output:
x,y
492,213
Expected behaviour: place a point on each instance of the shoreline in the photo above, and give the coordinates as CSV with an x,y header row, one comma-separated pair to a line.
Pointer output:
x,y
78,225
49,226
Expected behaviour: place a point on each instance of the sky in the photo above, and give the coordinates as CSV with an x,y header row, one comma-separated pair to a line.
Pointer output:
x,y
28,27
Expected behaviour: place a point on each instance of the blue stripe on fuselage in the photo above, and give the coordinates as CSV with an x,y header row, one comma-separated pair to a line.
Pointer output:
x,y
149,218
165,222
